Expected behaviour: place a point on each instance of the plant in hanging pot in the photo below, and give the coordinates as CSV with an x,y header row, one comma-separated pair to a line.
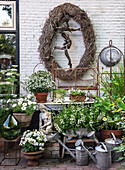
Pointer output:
x,y
39,83
77,94
32,143
23,109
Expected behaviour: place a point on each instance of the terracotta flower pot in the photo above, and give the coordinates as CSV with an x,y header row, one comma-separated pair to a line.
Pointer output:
x,y
23,118
77,98
41,97
32,157
106,133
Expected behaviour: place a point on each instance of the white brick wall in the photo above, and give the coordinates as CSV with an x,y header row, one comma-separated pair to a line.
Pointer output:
x,y
107,16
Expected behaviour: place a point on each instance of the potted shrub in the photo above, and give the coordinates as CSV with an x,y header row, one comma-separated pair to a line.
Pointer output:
x,y
111,105
77,95
32,143
111,114
23,109
39,83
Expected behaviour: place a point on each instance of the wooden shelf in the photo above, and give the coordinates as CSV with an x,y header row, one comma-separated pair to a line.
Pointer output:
x,y
84,140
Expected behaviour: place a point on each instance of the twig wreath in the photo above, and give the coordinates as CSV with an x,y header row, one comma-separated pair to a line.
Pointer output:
x,y
62,14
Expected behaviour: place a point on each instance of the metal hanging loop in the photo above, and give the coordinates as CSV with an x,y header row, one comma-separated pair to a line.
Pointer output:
x,y
41,62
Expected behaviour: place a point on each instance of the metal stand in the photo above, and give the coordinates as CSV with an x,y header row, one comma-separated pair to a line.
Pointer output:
x,y
17,151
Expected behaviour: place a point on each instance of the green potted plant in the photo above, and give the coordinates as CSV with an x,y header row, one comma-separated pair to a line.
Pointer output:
x,y
112,115
77,94
23,109
60,93
32,143
72,117
39,83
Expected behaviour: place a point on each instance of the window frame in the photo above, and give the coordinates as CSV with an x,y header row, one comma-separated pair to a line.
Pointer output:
x,y
16,32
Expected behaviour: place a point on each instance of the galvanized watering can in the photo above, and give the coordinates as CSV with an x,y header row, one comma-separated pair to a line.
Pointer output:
x,y
103,155
112,143
78,143
102,159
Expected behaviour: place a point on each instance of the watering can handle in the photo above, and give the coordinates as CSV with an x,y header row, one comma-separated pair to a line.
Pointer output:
x,y
112,134
104,146
89,153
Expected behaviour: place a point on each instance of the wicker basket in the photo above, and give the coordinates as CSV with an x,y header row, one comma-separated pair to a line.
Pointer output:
x,y
78,98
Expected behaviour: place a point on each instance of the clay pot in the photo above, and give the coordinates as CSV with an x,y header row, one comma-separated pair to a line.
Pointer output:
x,y
32,157
41,97
77,98
23,118
106,133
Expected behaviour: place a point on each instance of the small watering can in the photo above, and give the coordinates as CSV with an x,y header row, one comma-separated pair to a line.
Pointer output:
x,y
82,154
112,143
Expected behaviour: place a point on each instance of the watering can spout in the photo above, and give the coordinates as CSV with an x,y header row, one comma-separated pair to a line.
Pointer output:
x,y
92,135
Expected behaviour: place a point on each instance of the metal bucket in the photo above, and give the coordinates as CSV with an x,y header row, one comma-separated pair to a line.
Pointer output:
x,y
103,158
110,143
82,157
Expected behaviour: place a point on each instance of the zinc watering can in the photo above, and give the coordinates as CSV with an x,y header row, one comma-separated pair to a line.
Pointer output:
x,y
112,143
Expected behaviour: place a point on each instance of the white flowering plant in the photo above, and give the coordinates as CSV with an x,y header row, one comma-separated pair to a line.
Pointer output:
x,y
76,92
72,117
23,104
38,82
32,141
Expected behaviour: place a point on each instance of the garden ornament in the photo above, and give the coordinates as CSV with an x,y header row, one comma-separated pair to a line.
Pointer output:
x,y
46,122
92,135
56,137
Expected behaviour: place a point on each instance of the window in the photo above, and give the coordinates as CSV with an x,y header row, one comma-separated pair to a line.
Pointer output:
x,y
9,35
8,15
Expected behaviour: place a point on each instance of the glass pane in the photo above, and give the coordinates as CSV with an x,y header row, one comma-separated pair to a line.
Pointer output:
x,y
6,16
7,50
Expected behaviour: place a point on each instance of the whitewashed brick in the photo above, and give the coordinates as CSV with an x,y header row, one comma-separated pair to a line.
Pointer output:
x,y
107,16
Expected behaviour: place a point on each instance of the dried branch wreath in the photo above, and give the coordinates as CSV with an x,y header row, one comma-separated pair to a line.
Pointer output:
x,y
62,14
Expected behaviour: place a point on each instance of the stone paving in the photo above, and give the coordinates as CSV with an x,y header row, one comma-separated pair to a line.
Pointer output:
x,y
66,163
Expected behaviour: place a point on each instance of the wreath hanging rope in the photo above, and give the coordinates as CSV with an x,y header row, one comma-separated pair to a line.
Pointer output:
x,y
58,15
